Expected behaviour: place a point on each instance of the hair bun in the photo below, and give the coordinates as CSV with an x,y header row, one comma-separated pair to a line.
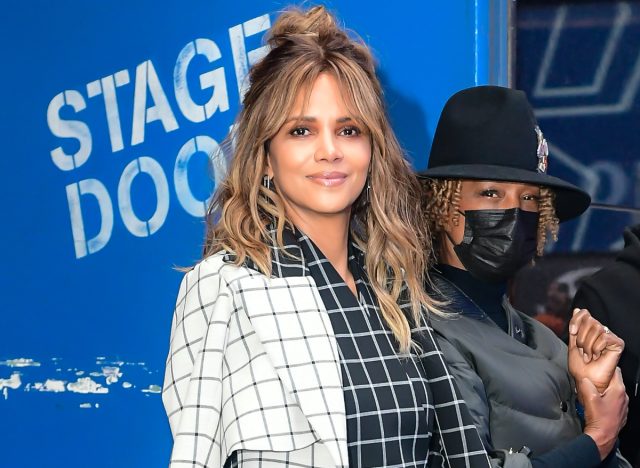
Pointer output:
x,y
316,21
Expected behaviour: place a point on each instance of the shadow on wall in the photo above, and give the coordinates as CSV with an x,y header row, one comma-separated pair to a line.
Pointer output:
x,y
409,122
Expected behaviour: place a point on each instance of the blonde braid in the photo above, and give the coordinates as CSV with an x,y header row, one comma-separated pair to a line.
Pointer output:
x,y
548,222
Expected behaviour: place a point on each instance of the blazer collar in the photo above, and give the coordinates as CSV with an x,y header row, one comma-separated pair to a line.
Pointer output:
x,y
287,261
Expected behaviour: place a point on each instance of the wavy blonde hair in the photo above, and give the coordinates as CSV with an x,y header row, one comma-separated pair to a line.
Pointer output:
x,y
441,202
387,224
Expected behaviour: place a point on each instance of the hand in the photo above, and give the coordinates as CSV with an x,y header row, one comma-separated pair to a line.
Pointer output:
x,y
605,414
594,351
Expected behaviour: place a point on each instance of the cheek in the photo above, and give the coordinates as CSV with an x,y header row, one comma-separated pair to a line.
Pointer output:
x,y
458,231
361,158
529,205
284,159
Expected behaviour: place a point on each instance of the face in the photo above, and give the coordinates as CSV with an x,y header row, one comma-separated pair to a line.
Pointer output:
x,y
319,159
488,195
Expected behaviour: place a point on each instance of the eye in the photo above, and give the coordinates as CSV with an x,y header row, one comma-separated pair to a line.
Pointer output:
x,y
350,131
490,193
299,131
531,197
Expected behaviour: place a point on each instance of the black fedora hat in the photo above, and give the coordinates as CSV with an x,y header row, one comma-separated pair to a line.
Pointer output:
x,y
490,133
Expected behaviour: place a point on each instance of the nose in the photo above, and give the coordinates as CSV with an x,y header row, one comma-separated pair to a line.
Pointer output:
x,y
328,148
511,200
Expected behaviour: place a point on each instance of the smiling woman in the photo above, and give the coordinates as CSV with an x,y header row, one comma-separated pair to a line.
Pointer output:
x,y
301,338
320,162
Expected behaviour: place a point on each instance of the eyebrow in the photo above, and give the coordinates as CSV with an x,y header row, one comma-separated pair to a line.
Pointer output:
x,y
493,185
308,118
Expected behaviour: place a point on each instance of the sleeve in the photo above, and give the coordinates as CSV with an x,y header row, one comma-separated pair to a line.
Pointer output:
x,y
192,391
615,459
581,452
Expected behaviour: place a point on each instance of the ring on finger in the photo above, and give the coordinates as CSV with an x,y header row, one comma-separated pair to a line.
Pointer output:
x,y
606,329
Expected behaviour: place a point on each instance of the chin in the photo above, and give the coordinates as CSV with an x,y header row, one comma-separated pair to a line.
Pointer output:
x,y
329,210
331,205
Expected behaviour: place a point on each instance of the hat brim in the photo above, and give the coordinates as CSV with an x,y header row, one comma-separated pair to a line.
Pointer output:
x,y
571,201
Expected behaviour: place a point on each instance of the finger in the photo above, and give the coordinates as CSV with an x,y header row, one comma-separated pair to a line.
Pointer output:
x,y
592,333
609,342
589,330
585,326
574,325
573,348
578,317
572,341
600,345
614,342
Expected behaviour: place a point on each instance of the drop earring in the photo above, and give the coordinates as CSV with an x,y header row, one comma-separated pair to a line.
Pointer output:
x,y
267,183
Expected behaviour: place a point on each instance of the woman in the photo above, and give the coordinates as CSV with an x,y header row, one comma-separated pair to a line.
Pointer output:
x,y
290,346
490,206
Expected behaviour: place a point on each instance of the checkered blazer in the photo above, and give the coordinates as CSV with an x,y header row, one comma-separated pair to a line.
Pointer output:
x,y
253,366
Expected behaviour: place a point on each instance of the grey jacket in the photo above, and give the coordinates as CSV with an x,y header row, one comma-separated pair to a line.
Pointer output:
x,y
517,387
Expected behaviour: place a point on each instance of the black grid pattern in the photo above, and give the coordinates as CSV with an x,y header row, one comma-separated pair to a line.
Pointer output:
x,y
254,377
388,401
387,398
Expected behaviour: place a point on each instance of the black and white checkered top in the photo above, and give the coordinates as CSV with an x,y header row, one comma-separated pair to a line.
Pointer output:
x,y
293,370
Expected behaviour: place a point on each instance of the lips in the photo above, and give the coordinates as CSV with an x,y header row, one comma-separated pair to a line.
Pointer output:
x,y
328,179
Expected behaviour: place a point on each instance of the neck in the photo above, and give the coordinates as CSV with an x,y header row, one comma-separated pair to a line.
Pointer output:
x,y
330,233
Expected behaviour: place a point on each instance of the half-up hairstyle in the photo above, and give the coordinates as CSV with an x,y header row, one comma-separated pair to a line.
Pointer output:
x,y
388,225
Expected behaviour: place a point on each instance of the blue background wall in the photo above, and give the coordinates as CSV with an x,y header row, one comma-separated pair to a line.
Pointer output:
x,y
579,63
108,112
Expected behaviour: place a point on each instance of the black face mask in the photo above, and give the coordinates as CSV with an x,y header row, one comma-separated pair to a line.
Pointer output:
x,y
497,243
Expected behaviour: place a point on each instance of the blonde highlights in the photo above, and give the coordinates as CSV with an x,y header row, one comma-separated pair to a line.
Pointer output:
x,y
388,225
548,222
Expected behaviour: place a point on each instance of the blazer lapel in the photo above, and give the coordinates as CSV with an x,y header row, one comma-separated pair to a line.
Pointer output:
x,y
294,328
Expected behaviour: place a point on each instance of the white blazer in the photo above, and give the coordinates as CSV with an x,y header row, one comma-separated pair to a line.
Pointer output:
x,y
253,366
